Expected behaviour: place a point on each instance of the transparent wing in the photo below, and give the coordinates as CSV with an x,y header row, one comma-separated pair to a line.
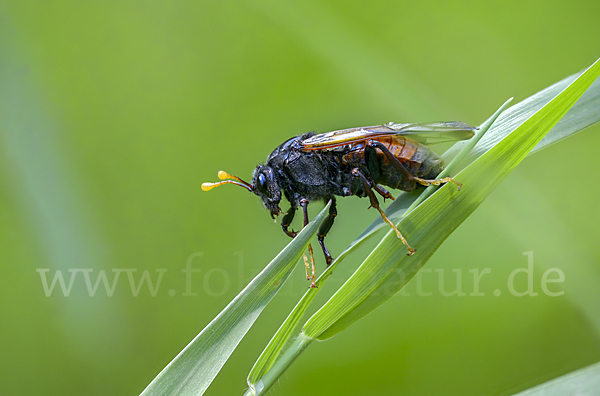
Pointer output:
x,y
426,133
436,132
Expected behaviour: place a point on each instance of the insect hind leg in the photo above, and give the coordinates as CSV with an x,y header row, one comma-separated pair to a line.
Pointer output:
x,y
398,165
437,182
375,204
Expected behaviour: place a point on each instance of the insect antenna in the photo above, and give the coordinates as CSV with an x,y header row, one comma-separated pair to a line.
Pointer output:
x,y
223,176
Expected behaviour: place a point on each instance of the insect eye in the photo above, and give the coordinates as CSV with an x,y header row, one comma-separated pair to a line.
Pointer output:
x,y
262,184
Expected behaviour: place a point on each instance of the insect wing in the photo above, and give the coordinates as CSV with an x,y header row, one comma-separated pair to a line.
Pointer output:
x,y
427,133
436,132
343,137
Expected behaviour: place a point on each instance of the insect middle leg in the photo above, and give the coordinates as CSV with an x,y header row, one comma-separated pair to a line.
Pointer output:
x,y
372,163
324,229
375,204
398,165
383,192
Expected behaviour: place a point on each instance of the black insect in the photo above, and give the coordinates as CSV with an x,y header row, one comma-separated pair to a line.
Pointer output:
x,y
349,162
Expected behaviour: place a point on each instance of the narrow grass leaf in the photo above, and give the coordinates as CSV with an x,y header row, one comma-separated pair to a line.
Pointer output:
x,y
583,382
581,116
387,269
192,371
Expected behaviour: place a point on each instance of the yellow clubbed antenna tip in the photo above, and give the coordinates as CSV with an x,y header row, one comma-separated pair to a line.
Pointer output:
x,y
209,186
224,175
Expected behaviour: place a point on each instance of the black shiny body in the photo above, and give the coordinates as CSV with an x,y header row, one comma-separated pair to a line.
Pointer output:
x,y
355,169
323,174
348,162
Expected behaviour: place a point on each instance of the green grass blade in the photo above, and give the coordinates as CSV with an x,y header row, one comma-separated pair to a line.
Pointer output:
x,y
578,118
192,371
583,382
387,269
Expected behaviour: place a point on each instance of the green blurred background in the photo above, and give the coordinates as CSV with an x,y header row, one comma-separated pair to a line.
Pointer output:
x,y
112,113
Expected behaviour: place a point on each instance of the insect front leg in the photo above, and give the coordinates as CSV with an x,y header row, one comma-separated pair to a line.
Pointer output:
x,y
304,205
399,166
375,204
324,229
287,221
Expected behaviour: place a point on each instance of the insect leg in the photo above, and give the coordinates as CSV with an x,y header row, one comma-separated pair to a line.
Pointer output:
x,y
372,163
375,204
304,204
398,165
324,229
392,158
427,182
287,221
383,192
